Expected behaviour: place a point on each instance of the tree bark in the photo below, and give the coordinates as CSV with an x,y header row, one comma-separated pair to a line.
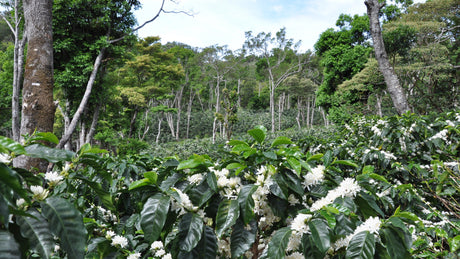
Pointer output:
x,y
84,100
37,99
394,87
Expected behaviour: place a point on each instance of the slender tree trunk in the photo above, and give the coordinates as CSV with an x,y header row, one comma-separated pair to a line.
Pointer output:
x,y
37,100
394,88
92,129
189,112
214,124
179,109
132,123
84,100
160,119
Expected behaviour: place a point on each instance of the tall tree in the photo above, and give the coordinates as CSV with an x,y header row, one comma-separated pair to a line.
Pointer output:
x,y
394,87
279,60
37,96
16,24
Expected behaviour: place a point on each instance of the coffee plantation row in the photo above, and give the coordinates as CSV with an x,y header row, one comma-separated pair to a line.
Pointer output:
x,y
377,188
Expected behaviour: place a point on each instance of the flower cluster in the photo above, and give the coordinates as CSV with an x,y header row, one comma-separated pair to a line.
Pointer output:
x,y
229,186
158,250
183,204
299,226
314,177
119,241
5,158
261,207
39,193
347,188
372,224
53,178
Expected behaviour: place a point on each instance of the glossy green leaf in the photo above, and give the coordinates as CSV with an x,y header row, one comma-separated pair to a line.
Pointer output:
x,y
194,162
9,248
153,216
170,181
66,222
37,232
321,234
362,245
139,183
11,145
242,238
281,141
227,214
367,205
246,202
276,248
46,136
395,244
190,231
295,164
52,155
151,176
10,180
258,134
206,248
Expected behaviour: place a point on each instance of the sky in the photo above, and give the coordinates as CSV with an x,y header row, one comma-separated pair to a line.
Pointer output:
x,y
224,22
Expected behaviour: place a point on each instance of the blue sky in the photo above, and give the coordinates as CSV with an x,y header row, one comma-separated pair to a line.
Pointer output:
x,y
224,22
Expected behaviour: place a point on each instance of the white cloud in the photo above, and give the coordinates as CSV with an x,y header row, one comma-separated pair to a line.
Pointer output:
x,y
224,22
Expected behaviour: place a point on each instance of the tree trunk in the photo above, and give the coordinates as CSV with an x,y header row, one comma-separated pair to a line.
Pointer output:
x,y
37,100
84,100
92,129
394,88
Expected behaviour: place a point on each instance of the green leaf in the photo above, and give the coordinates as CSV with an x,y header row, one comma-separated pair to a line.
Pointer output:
x,y
258,134
362,245
242,238
37,232
104,195
10,180
367,205
66,222
46,136
235,142
139,183
368,169
11,145
295,164
206,248
345,162
153,216
270,155
170,181
190,231
8,246
321,234
194,162
395,245
277,246
239,167
281,141
151,176
454,244
246,202
227,214
52,155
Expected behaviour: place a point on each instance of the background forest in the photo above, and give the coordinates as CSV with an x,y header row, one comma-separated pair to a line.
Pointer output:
x,y
147,93
171,151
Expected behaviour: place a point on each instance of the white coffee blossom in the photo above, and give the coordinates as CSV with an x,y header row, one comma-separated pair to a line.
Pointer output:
x,y
160,253
185,201
294,241
136,255
293,200
156,245
195,179
295,255
314,177
300,223
39,192
20,202
5,158
167,256
372,224
119,241
440,135
347,188
54,178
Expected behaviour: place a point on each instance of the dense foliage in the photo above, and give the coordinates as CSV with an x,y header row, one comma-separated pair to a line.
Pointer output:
x,y
377,187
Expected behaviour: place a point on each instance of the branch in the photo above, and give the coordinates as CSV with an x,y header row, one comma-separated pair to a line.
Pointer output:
x,y
161,10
